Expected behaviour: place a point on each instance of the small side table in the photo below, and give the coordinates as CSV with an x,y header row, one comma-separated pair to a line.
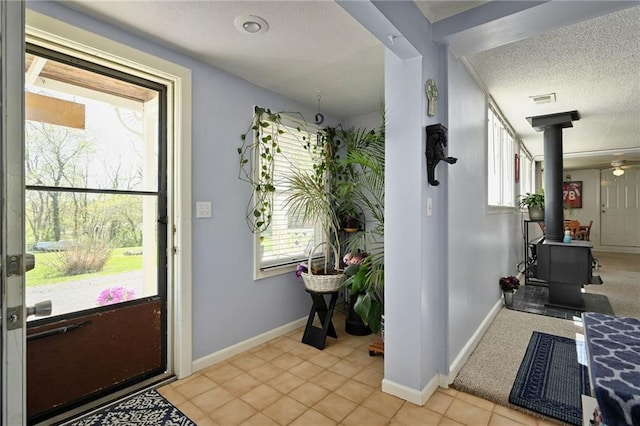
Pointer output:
x,y
316,336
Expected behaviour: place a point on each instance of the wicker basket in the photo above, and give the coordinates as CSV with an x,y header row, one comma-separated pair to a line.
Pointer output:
x,y
323,283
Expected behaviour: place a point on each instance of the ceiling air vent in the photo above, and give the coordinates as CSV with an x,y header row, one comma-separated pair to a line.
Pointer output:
x,y
547,98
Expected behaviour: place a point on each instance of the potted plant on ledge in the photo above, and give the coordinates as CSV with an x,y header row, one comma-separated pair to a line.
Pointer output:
x,y
534,202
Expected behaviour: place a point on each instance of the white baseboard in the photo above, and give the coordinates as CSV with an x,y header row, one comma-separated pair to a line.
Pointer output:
x,y
411,395
617,249
465,353
232,350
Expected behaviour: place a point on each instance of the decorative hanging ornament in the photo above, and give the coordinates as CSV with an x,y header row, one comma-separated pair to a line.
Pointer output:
x,y
319,116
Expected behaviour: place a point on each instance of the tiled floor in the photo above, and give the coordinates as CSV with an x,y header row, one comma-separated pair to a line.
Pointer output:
x,y
286,382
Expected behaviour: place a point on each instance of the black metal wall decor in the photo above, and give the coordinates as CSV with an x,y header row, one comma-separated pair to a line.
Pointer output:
x,y
436,141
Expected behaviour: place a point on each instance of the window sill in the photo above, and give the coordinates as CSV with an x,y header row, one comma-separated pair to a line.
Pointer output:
x,y
501,209
259,274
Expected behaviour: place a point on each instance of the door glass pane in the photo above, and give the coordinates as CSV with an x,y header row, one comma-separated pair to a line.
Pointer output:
x,y
85,129
96,138
91,250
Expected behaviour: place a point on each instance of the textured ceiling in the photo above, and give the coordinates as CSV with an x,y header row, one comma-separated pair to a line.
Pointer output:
x,y
311,47
592,67
315,47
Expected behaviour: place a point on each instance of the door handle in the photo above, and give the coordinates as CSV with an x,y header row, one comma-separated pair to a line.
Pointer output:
x,y
56,331
40,309
29,261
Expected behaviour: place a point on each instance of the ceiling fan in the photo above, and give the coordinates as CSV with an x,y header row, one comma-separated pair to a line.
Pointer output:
x,y
618,169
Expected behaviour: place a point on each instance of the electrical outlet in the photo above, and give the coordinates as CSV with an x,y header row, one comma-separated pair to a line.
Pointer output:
x,y
203,209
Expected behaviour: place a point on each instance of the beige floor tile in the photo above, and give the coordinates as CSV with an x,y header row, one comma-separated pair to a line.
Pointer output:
x,y
468,414
345,368
308,393
195,387
221,373
285,382
412,415
516,415
383,404
285,410
306,370
286,361
498,420
172,395
247,362
232,413
324,360
361,357
474,400
446,421
370,376
448,391
304,351
267,352
338,349
362,416
329,380
241,384
312,417
259,420
266,372
439,402
212,399
261,397
335,407
354,391
284,343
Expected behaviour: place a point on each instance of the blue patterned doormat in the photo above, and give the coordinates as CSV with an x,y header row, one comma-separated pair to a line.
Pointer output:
x,y
550,379
145,409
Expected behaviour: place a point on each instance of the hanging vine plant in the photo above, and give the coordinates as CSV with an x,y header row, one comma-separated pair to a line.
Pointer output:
x,y
260,146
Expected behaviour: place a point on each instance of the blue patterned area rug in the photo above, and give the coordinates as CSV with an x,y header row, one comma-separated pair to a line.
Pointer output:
x,y
145,409
550,379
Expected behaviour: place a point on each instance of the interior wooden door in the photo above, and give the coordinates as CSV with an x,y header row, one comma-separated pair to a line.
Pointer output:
x,y
96,209
620,212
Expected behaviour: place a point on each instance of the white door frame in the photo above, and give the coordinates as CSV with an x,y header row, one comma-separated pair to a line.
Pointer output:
x,y
61,36
13,343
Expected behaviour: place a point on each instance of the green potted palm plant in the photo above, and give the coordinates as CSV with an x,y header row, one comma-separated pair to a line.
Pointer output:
x,y
534,202
365,277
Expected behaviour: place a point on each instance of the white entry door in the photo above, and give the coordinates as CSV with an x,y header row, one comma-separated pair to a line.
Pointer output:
x,y
12,339
620,212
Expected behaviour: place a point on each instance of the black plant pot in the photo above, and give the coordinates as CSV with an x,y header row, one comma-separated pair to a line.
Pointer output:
x,y
354,324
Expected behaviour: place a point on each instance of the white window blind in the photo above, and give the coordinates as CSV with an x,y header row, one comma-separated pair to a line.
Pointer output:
x,y
289,239
526,172
501,162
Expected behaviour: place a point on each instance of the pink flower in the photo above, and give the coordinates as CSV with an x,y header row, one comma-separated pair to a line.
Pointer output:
x,y
354,259
112,295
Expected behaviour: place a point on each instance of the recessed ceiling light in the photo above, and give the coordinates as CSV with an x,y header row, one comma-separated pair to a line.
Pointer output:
x,y
547,98
251,24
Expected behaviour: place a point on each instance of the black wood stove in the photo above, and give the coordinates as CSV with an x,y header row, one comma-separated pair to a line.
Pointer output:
x,y
566,267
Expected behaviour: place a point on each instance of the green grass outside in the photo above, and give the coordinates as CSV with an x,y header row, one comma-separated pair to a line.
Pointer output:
x,y
117,263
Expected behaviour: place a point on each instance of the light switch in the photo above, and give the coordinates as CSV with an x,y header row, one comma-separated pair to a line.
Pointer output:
x,y
429,206
203,209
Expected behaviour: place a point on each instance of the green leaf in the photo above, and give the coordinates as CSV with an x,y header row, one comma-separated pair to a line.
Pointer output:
x,y
257,213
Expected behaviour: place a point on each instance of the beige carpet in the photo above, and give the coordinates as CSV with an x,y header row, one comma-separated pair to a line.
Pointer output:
x,y
492,367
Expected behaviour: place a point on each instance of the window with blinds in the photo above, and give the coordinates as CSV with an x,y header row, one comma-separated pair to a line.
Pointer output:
x,y
500,167
289,239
